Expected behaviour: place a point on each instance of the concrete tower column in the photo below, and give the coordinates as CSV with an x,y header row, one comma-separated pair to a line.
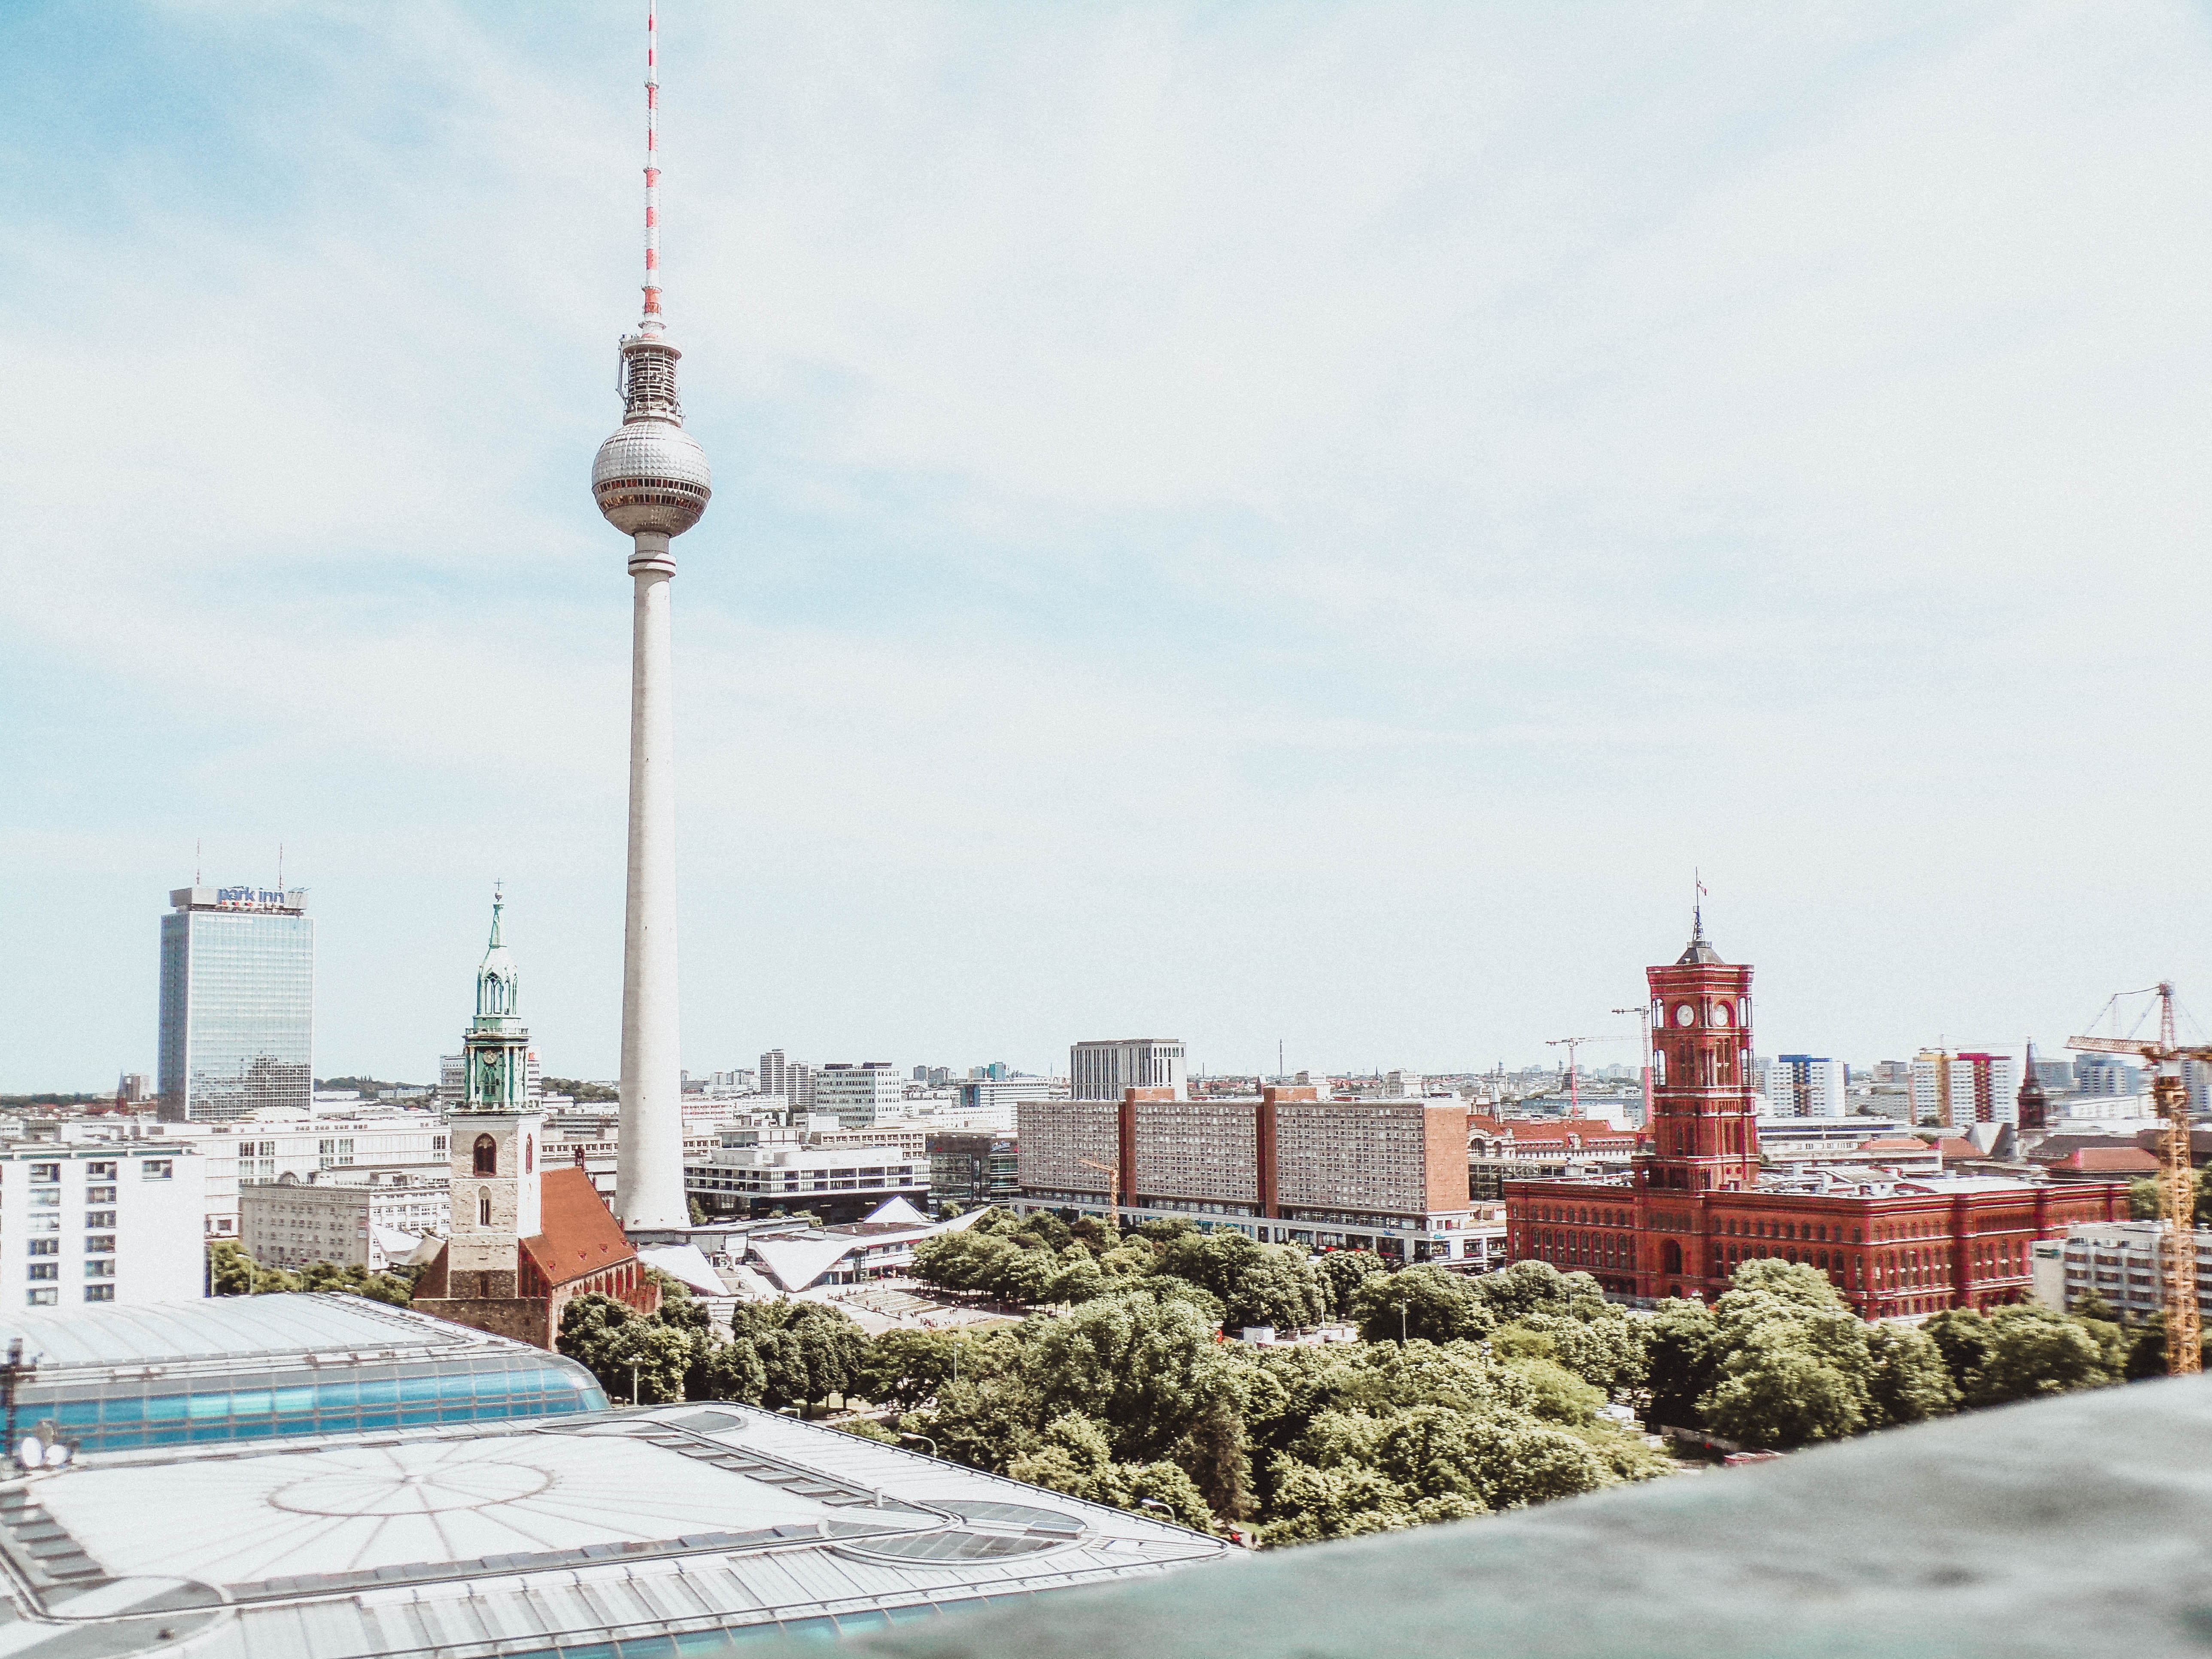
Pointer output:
x,y
649,1172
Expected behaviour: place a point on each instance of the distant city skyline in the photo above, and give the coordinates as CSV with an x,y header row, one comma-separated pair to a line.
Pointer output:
x,y
1268,524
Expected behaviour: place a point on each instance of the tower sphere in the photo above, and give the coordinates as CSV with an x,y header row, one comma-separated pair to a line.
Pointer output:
x,y
652,475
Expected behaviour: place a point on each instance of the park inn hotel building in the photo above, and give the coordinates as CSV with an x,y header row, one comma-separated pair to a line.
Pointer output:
x,y
1698,1204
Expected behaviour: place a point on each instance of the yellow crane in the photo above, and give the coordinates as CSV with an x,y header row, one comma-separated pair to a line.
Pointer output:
x,y
1112,1173
2177,1183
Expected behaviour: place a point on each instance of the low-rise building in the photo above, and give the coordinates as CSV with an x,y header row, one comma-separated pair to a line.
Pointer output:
x,y
750,1173
2120,1262
350,1217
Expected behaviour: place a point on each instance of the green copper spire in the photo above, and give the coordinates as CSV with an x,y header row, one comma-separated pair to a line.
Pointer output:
x,y
497,1046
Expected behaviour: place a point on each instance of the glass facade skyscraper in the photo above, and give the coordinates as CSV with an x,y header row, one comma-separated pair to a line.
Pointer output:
x,y
238,985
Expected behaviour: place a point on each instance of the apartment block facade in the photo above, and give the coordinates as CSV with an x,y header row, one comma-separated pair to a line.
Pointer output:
x,y
1287,1167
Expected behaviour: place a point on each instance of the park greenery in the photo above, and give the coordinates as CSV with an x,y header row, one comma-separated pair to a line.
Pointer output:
x,y
2147,1201
232,1272
1115,1379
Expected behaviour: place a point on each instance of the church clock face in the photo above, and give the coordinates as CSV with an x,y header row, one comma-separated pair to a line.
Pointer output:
x,y
1684,1014
1720,1013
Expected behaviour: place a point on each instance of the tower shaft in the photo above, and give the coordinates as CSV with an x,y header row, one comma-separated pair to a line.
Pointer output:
x,y
649,1170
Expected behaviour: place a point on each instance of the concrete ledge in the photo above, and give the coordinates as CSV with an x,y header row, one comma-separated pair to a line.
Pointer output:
x,y
2072,1527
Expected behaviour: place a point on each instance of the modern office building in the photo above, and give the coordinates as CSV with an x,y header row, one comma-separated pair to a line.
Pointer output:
x,y
681,1532
870,1093
1287,1167
352,1217
1805,1085
238,1002
1699,1203
973,1169
261,1367
1105,1070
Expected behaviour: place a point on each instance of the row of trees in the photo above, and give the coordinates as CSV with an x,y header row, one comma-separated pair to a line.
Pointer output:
x,y
232,1272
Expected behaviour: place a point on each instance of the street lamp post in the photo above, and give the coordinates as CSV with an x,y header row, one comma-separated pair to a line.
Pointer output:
x,y
925,1440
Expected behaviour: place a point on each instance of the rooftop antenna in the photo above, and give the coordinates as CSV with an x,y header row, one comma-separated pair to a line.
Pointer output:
x,y
280,866
651,323
196,862
1697,906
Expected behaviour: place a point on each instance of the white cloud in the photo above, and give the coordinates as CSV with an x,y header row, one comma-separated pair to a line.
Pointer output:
x,y
1228,518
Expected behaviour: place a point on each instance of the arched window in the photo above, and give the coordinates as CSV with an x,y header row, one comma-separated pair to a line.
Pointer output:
x,y
1670,1257
483,1206
487,1156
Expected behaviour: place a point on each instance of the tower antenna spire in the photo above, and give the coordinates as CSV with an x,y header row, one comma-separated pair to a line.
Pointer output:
x,y
652,324
1697,906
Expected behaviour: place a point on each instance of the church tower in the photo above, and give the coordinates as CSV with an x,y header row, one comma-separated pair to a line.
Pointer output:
x,y
2035,1100
1704,1137
495,1134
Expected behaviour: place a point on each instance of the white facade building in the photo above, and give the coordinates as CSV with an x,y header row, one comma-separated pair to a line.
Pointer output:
x,y
2118,1260
859,1095
343,1216
1807,1085
116,1221
1101,1070
245,1151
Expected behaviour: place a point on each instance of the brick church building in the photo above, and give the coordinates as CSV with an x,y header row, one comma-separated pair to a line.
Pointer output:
x,y
523,1242
1697,1203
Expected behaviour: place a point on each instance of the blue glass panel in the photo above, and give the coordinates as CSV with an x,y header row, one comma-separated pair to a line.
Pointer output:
x,y
647,1647
256,1403
702,1644
376,1420
122,1409
596,1650
167,1407
908,1615
380,1393
812,1630
294,1400
856,1624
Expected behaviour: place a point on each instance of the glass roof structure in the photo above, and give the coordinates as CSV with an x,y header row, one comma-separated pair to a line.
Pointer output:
x,y
261,1367
687,1530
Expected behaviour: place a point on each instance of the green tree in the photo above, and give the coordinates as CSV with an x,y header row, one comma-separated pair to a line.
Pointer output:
x,y
1342,1273
2020,1352
1910,1382
2147,1199
906,1369
1428,1303
1075,1455
1528,1287
808,1351
1794,1363
1143,1366
230,1270
1681,1358
1256,1284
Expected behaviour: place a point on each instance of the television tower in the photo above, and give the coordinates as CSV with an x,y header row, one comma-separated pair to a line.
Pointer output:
x,y
652,482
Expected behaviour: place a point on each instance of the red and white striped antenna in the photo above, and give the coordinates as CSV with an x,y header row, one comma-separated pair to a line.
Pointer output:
x,y
651,167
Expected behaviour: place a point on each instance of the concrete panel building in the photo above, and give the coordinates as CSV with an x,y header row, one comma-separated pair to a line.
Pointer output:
x,y
1285,1167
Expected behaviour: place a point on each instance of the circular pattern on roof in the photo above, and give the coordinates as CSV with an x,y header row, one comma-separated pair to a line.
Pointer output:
x,y
418,1492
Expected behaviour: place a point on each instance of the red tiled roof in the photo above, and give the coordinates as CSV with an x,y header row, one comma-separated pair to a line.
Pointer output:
x,y
580,1234
2110,1160
1951,1147
1893,1144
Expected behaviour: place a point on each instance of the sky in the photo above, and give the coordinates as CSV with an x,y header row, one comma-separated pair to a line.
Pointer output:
x,y
1259,523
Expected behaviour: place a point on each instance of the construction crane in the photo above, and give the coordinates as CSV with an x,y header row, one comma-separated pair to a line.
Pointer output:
x,y
2176,1178
1112,1173
1643,1013
1574,1078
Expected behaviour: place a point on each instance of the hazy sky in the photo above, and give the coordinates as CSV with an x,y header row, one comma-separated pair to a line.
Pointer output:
x,y
1235,521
